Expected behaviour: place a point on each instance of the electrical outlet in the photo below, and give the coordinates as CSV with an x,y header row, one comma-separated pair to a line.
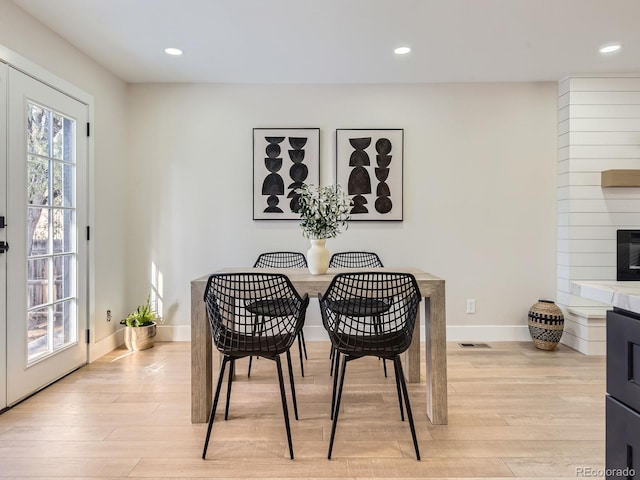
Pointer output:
x,y
471,305
108,315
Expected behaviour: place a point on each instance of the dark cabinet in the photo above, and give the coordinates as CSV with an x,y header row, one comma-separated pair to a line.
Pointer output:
x,y
623,399
623,443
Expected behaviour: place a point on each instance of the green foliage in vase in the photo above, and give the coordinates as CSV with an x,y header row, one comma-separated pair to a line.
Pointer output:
x,y
142,316
324,211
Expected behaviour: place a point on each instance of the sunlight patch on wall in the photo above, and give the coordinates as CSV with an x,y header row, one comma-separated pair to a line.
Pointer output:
x,y
156,290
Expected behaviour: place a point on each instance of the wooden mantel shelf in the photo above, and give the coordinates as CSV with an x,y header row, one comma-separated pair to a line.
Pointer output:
x,y
620,178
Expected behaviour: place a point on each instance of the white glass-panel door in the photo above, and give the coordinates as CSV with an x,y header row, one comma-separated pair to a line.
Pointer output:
x,y
46,318
3,235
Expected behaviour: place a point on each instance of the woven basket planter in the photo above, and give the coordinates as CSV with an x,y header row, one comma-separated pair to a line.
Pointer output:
x,y
546,324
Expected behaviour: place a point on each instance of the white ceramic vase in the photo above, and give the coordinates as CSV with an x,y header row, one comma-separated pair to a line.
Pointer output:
x,y
318,257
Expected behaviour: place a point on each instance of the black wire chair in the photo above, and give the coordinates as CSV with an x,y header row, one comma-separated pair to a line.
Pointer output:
x,y
370,314
280,260
355,260
235,334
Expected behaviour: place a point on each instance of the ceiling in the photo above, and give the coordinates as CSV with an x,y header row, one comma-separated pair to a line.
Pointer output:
x,y
347,41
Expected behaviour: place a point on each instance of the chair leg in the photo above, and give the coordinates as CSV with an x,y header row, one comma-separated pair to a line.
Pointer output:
x,y
336,360
396,360
212,415
232,371
332,352
253,332
337,407
293,387
285,410
300,344
332,356
397,375
304,345
376,329
249,369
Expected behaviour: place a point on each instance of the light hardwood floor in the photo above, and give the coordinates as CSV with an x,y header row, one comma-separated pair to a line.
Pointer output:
x,y
514,411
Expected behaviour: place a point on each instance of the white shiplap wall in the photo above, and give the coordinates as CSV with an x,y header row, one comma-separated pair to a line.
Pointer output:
x,y
599,129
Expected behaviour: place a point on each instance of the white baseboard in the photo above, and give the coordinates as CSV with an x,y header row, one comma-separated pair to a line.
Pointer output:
x,y
164,333
173,333
106,345
313,333
455,333
488,333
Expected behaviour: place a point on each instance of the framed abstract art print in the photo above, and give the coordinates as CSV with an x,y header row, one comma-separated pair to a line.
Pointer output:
x,y
284,159
369,168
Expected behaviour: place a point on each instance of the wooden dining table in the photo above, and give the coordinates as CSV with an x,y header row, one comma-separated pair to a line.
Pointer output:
x,y
432,290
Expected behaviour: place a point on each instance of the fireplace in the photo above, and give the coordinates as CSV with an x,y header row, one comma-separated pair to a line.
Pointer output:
x,y
628,255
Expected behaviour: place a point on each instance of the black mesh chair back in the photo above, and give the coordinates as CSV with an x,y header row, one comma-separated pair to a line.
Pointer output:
x,y
371,314
281,260
355,260
236,333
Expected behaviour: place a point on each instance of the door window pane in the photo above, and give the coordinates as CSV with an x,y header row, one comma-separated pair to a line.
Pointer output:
x,y
37,231
38,129
38,280
37,332
57,136
64,277
62,230
63,184
37,181
64,331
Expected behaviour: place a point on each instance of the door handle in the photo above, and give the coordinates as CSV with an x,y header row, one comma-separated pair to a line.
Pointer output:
x,y
4,246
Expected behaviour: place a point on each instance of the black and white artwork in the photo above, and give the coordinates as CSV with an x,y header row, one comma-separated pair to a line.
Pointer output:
x,y
284,159
369,169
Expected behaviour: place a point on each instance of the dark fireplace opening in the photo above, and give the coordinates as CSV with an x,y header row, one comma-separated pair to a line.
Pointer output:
x,y
628,264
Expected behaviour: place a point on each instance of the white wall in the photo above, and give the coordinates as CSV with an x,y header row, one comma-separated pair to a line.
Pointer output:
x,y
25,36
479,185
599,129
480,181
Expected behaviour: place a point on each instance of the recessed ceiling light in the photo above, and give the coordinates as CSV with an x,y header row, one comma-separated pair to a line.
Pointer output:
x,y
173,51
610,48
402,50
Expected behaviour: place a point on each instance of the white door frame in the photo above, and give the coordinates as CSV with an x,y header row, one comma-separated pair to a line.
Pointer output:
x,y
31,69
4,70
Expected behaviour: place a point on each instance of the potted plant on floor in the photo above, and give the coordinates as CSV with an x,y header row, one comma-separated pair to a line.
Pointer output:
x,y
140,327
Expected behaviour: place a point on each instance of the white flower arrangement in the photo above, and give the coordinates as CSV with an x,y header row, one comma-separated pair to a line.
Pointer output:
x,y
323,211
